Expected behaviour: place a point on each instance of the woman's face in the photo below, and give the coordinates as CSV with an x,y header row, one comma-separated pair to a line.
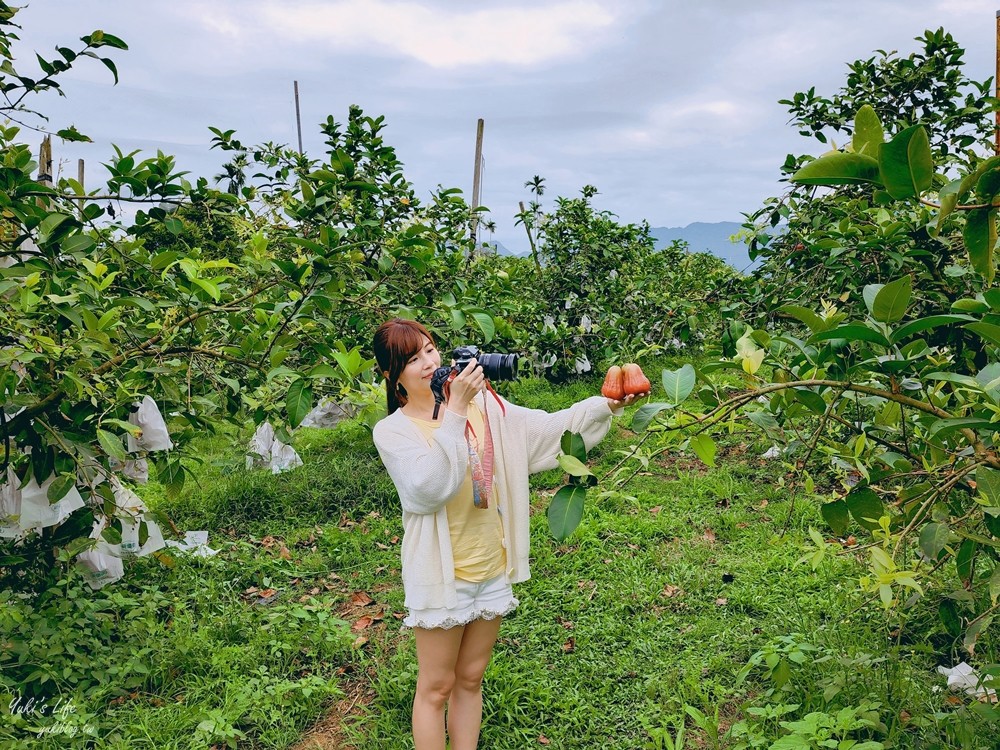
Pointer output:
x,y
416,375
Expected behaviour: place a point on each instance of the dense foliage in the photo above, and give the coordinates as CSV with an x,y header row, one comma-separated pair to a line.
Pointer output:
x,y
257,298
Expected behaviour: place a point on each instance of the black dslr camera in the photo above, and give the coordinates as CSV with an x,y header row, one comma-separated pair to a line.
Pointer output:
x,y
495,367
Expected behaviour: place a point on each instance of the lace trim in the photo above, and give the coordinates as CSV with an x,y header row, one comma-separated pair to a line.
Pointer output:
x,y
453,622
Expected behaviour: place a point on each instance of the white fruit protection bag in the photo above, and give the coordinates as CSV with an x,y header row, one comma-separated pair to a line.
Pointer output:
x,y
38,513
154,435
10,507
266,450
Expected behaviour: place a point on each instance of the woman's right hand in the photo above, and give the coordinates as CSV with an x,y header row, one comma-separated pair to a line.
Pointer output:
x,y
465,386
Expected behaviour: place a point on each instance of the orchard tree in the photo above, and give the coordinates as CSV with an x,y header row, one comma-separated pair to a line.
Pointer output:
x,y
217,305
816,245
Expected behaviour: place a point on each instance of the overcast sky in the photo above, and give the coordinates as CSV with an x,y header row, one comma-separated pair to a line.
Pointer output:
x,y
669,108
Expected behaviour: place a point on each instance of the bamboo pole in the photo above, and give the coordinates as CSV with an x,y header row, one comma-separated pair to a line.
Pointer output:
x,y
996,84
298,116
477,176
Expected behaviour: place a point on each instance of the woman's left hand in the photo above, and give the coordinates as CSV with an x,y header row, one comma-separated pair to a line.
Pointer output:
x,y
630,398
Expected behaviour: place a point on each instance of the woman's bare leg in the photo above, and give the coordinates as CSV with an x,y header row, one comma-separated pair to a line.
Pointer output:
x,y
437,655
465,708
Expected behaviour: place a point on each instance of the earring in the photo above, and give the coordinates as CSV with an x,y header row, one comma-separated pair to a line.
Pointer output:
x,y
400,390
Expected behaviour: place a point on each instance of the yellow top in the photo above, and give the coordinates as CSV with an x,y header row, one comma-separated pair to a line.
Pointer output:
x,y
476,533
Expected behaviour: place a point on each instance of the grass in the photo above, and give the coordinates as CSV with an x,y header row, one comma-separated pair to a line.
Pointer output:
x,y
638,625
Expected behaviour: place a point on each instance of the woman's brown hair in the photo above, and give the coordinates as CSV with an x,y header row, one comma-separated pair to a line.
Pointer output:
x,y
395,342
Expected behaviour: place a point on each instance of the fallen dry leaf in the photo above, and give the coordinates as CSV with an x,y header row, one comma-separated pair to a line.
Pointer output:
x,y
359,641
709,535
671,591
361,599
721,601
569,646
284,554
362,623
543,740
656,509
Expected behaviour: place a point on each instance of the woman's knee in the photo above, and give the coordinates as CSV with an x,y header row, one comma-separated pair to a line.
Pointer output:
x,y
435,689
469,678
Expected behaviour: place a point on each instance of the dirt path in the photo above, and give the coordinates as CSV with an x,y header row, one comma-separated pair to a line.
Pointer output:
x,y
329,733
377,629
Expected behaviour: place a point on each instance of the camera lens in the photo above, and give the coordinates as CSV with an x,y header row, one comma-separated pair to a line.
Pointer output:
x,y
499,366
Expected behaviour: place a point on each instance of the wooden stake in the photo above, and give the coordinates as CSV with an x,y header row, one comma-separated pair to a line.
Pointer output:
x,y
477,175
45,161
298,115
996,84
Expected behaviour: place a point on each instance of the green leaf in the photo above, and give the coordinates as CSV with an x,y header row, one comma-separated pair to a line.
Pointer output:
x,y
812,400
110,65
967,304
645,413
299,401
341,162
948,198
571,443
988,484
905,163
836,516
964,559
934,538
866,507
704,448
77,243
171,476
50,224
486,325
112,445
869,293
566,511
839,169
574,467
806,316
988,331
174,225
852,332
980,236
892,300
678,384
950,618
925,324
992,297
868,133
60,487
458,319
988,185
943,427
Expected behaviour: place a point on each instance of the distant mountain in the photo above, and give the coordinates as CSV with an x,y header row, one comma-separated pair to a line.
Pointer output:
x,y
703,237
503,250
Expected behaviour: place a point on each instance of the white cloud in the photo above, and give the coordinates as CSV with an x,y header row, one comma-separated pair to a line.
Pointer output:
x,y
439,37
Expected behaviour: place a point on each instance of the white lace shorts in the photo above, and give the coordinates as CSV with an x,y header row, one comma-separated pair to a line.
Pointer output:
x,y
476,601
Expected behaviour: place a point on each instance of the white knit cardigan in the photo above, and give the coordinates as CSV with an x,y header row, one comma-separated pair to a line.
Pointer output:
x,y
426,476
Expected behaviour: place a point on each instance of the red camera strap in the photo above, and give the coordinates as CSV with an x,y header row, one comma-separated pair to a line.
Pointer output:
x,y
482,469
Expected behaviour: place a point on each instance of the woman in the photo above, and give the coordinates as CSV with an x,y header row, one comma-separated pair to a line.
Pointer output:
x,y
465,527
